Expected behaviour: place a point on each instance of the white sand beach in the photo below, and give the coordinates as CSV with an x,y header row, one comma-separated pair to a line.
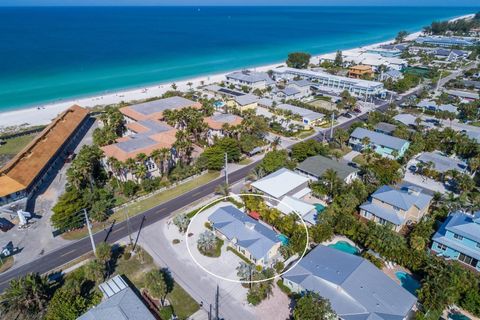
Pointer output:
x,y
43,114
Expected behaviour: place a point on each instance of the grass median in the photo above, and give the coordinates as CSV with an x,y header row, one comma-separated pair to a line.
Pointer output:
x,y
144,205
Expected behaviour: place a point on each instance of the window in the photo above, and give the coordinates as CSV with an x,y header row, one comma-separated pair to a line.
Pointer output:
x,y
468,260
441,246
458,237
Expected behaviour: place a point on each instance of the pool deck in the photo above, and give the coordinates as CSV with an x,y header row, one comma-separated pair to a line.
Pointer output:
x,y
338,238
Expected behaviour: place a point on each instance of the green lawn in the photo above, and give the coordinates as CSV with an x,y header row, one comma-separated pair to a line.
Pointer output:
x,y
183,305
142,206
359,160
14,146
305,134
6,263
245,161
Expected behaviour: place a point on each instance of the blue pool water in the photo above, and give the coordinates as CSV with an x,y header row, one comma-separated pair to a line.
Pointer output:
x,y
320,207
345,247
53,53
408,282
283,238
457,316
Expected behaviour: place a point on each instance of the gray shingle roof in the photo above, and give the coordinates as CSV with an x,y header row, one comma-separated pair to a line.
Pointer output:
x,y
161,105
379,138
442,163
385,127
305,113
354,286
124,305
403,198
317,165
288,91
249,233
250,76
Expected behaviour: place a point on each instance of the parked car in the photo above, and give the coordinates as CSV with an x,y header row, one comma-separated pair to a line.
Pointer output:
x,y
357,110
347,115
412,168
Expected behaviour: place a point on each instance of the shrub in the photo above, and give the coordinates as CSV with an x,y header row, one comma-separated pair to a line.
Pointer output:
x,y
175,241
283,287
279,266
208,226
127,255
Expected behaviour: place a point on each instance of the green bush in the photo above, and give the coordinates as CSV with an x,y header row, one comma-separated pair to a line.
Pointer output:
x,y
175,241
283,287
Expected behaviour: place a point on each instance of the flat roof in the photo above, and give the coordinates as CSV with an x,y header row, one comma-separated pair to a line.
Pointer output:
x,y
317,165
305,113
280,182
23,169
442,163
217,121
379,138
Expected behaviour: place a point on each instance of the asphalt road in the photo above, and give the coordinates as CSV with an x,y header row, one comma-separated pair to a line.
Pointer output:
x,y
63,255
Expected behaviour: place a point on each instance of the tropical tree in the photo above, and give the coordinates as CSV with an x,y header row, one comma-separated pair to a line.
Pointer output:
x,y
27,296
206,243
313,307
156,285
223,189
298,60
245,271
181,221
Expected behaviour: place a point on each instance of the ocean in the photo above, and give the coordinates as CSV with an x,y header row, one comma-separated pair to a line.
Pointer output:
x,y
50,54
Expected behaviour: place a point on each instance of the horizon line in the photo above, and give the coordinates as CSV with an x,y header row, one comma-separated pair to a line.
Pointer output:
x,y
233,5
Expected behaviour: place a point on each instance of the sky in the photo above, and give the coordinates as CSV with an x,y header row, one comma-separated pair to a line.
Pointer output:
x,y
456,3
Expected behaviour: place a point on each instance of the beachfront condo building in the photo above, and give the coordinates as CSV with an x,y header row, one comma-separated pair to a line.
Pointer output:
x,y
396,207
385,145
251,79
355,288
325,81
459,239
35,165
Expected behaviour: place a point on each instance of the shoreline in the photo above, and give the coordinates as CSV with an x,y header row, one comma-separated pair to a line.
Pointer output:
x,y
32,116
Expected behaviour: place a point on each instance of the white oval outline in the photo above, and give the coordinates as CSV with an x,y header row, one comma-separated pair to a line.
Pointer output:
x,y
243,281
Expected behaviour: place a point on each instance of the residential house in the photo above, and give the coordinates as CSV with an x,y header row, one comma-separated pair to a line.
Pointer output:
x,y
396,207
217,122
395,46
119,302
464,96
219,92
441,163
24,175
251,79
314,168
243,102
355,288
385,128
410,121
391,74
433,106
287,92
304,86
281,183
265,103
153,110
309,118
307,211
459,239
360,71
385,145
250,237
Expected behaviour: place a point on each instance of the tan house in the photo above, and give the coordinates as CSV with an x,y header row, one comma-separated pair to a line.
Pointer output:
x,y
396,207
244,102
360,71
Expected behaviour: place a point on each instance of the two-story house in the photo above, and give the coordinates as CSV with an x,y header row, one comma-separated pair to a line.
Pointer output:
x,y
384,145
396,207
250,237
251,79
217,122
459,239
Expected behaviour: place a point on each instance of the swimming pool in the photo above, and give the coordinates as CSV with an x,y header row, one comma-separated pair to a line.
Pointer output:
x,y
283,238
320,207
408,282
457,316
345,247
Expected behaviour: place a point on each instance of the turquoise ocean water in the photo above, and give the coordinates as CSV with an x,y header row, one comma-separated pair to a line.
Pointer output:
x,y
59,53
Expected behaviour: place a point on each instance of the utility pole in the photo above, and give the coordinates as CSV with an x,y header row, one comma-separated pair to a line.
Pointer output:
x,y
331,126
226,169
216,304
127,217
438,82
90,231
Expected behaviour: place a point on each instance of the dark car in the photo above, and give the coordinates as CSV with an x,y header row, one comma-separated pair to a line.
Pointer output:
x,y
347,115
357,110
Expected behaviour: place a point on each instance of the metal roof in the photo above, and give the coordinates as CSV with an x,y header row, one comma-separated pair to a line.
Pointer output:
x,y
280,182
442,163
317,165
403,198
248,233
246,99
161,105
382,212
379,138
304,113
250,76
385,127
355,287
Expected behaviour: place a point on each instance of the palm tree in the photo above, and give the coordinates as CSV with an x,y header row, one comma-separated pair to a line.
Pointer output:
x,y
174,86
255,174
223,189
275,143
206,241
190,84
245,271
103,252
181,221
28,296
330,177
